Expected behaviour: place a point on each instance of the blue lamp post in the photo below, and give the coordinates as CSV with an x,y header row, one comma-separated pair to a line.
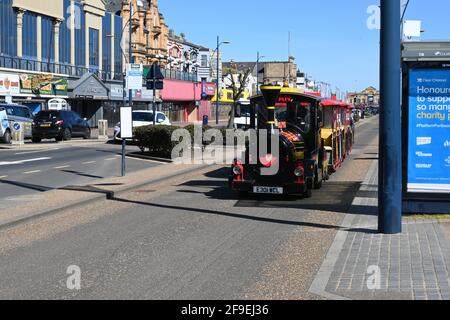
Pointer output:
x,y
390,164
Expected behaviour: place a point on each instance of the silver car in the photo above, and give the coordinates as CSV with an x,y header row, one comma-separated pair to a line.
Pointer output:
x,y
12,115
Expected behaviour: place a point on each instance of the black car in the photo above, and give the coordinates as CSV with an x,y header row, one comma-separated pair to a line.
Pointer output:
x,y
60,125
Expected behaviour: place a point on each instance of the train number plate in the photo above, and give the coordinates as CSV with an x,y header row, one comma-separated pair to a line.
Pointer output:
x,y
268,190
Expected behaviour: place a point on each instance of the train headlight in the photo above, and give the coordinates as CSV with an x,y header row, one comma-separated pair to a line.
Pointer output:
x,y
237,170
299,172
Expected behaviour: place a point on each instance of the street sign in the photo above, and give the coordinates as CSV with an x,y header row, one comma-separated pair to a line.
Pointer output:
x,y
159,85
155,73
126,123
134,76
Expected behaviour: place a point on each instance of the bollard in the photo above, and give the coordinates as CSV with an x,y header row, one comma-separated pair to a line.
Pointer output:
x,y
17,134
103,130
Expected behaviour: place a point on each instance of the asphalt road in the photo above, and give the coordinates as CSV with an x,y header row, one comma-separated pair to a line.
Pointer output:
x,y
25,174
187,238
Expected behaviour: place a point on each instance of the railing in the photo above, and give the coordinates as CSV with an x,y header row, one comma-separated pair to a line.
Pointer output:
x,y
179,75
25,64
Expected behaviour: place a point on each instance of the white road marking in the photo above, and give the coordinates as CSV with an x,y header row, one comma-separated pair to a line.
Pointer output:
x,y
30,172
110,159
38,151
61,167
3,177
89,162
5,163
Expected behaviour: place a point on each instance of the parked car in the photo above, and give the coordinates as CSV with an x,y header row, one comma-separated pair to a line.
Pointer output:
x,y
59,125
143,118
12,114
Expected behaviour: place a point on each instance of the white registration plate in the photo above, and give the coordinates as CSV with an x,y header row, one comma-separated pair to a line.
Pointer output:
x,y
268,190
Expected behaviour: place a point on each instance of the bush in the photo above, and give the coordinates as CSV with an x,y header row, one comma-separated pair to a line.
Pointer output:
x,y
156,139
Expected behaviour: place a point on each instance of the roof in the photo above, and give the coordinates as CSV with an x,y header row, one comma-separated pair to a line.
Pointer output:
x,y
292,91
72,85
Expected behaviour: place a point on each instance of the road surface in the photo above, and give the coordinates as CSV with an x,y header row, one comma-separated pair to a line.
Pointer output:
x,y
26,173
187,238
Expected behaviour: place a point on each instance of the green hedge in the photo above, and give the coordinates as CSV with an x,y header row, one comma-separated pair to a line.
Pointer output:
x,y
157,140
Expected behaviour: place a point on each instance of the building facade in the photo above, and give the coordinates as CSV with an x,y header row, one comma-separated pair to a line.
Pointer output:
x,y
77,50
279,72
46,47
368,97
149,30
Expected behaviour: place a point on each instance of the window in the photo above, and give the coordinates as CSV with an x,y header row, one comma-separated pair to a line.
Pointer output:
x,y
64,35
328,118
29,40
80,35
142,116
21,112
117,47
93,48
106,34
8,26
204,61
47,43
160,118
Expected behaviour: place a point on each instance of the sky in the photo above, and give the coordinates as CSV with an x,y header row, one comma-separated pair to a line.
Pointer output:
x,y
329,39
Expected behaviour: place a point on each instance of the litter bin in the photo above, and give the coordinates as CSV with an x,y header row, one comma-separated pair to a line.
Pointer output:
x,y
205,120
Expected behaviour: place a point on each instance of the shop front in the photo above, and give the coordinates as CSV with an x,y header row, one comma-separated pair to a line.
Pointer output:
x,y
86,97
187,102
142,100
33,90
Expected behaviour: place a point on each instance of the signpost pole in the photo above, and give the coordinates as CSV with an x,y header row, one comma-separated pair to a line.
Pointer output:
x,y
123,139
154,94
217,82
390,164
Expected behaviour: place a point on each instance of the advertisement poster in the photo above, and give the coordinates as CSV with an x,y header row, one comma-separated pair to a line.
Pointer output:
x,y
44,84
429,131
9,84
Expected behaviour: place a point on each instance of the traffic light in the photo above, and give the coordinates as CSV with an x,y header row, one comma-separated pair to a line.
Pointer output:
x,y
159,84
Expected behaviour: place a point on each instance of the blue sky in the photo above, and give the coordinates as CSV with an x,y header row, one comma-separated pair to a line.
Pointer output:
x,y
329,38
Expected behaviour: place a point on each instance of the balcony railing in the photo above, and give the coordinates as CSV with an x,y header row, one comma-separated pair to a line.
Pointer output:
x,y
24,64
179,75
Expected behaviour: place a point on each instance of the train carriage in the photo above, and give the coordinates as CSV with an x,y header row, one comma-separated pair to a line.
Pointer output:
x,y
333,132
302,160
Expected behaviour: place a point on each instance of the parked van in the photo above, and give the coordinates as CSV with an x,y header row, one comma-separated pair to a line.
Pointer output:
x,y
11,114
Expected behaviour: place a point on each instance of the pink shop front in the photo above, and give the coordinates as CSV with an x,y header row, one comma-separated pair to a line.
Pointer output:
x,y
187,102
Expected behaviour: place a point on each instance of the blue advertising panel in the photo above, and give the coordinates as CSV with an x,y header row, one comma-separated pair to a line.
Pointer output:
x,y
429,131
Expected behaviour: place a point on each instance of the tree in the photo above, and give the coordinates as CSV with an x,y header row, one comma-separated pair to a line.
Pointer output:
x,y
237,88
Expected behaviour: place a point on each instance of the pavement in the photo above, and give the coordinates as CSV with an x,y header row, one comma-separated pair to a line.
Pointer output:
x,y
413,265
178,232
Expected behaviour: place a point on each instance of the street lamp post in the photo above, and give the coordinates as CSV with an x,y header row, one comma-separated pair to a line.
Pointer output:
x,y
258,57
390,164
217,76
130,92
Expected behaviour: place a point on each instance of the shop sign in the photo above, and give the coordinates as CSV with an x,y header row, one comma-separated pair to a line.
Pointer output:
x,y
134,76
9,84
43,84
